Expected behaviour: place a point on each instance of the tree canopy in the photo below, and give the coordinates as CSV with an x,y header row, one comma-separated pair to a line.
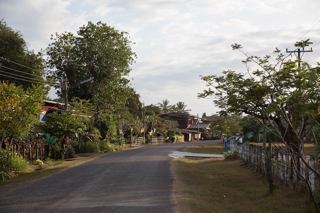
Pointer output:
x,y
17,64
97,51
277,93
19,109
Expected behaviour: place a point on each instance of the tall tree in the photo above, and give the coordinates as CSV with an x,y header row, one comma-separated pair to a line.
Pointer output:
x,y
97,51
166,108
284,95
180,107
17,64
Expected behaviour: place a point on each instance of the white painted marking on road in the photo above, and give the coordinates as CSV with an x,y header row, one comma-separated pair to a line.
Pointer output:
x,y
178,154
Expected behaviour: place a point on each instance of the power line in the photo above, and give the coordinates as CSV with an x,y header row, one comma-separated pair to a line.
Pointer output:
x,y
21,79
306,32
20,64
28,78
19,71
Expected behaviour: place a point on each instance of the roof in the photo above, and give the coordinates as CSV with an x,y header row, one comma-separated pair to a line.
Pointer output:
x,y
201,126
177,114
185,131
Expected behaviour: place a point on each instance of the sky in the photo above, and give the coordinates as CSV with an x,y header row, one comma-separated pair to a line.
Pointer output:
x,y
176,41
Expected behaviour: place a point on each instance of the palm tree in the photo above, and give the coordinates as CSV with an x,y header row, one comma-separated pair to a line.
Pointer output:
x,y
165,106
180,107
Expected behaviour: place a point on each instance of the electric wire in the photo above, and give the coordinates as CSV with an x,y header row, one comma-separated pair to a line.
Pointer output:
x,y
19,71
20,64
22,79
306,32
28,78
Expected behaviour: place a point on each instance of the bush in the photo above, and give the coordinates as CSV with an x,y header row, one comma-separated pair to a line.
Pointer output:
x,y
38,162
92,147
4,166
49,161
230,155
17,163
70,153
56,152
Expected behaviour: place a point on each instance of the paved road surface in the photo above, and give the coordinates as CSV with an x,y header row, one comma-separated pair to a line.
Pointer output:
x,y
138,180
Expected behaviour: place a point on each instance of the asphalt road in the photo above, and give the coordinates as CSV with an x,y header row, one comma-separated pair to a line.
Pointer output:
x,y
138,180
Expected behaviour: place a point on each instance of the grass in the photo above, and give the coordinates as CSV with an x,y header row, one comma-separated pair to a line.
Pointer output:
x,y
219,185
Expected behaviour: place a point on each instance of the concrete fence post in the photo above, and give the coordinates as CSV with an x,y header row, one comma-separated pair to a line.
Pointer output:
x,y
287,176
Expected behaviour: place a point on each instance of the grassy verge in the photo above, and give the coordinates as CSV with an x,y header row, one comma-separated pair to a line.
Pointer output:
x,y
218,185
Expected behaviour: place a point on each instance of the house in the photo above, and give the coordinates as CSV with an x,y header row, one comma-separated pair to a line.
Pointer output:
x,y
50,107
185,120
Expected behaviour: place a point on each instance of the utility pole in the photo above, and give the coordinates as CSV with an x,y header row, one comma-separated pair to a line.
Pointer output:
x,y
299,51
144,131
66,92
198,126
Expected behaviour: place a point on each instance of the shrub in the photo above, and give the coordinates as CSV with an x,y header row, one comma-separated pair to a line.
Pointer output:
x,y
230,155
38,162
4,166
92,147
56,152
18,163
49,161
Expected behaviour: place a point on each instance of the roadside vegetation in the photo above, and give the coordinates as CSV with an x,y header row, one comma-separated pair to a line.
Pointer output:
x,y
224,185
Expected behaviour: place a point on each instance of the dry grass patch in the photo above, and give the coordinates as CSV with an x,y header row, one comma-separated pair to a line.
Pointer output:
x,y
217,148
217,185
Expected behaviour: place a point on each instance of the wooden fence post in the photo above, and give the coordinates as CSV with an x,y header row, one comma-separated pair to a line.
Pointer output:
x,y
248,154
303,174
281,167
294,172
260,159
276,170
311,174
287,176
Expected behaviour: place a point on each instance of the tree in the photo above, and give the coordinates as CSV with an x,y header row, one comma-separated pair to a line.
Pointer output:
x,y
180,107
63,126
134,104
19,109
17,64
251,128
224,126
97,51
166,108
277,94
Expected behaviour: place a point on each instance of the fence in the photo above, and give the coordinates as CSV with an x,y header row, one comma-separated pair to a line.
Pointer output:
x,y
279,164
137,141
32,151
158,139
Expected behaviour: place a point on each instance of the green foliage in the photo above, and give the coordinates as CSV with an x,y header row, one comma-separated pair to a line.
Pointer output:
x,y
230,155
97,51
276,93
5,172
225,126
63,125
17,163
18,109
38,162
180,107
13,51
165,107
56,152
